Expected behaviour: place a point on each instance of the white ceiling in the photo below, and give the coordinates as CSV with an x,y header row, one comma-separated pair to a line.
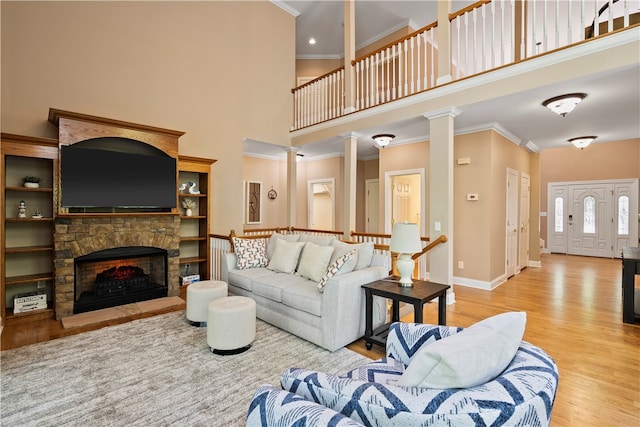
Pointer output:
x,y
611,109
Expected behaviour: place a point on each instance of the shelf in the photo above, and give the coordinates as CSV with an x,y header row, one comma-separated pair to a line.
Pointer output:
x,y
27,278
193,260
29,219
42,314
191,195
28,249
34,190
193,217
193,238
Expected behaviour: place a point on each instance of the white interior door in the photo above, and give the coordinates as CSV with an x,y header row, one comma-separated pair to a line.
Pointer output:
x,y
372,206
512,223
525,220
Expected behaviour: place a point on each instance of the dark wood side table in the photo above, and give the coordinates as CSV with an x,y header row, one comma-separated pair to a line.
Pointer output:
x,y
420,293
630,268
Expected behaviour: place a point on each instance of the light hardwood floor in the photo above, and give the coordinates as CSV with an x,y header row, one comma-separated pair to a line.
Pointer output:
x,y
574,312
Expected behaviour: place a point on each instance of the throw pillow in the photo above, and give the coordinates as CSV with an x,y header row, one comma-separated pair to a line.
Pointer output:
x,y
336,266
285,256
469,358
251,253
318,240
365,252
271,246
314,260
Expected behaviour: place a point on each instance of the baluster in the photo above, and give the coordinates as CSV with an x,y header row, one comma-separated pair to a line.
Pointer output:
x,y
376,79
340,92
432,62
610,26
388,83
411,57
556,27
626,13
483,17
393,71
474,47
502,21
544,26
358,90
512,35
458,74
406,65
372,80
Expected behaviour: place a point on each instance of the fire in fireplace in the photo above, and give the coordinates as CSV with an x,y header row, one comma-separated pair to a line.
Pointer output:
x,y
119,276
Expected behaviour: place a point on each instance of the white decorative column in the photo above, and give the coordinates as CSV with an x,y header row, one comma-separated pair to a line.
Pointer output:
x,y
444,43
349,188
349,55
292,179
441,195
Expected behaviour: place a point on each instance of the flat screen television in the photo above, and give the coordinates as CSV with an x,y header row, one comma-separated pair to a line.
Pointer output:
x,y
99,178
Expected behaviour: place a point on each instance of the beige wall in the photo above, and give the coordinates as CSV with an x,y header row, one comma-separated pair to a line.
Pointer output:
x,y
190,66
599,161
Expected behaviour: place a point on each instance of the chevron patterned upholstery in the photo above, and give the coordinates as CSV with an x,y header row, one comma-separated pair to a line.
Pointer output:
x,y
522,395
274,407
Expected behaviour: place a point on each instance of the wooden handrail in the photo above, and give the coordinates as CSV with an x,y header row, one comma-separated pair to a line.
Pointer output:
x,y
469,8
395,42
441,239
388,236
310,82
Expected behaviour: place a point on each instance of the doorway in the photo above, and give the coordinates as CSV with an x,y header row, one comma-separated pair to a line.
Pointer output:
x,y
512,223
321,204
372,205
592,218
405,198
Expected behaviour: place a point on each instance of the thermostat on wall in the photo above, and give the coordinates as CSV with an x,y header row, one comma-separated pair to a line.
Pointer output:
x,y
472,196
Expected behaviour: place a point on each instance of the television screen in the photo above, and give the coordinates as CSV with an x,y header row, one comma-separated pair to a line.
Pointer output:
x,y
102,178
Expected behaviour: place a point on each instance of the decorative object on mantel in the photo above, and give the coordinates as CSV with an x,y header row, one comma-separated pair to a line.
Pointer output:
x,y
182,187
31,181
192,188
22,209
272,194
36,214
188,205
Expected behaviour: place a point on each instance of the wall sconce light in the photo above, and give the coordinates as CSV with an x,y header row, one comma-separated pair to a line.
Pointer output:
x,y
582,142
405,241
383,139
564,104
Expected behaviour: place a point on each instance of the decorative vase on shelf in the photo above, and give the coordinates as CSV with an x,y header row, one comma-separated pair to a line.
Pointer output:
x,y
188,212
32,184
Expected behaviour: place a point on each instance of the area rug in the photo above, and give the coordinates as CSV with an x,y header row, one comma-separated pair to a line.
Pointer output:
x,y
156,371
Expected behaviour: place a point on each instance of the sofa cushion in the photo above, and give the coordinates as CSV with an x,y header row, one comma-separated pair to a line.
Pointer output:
x,y
285,256
336,266
303,296
272,286
244,278
251,253
271,246
365,253
469,358
318,240
314,261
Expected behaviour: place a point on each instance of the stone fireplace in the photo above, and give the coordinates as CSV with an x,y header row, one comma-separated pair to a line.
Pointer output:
x,y
111,238
77,238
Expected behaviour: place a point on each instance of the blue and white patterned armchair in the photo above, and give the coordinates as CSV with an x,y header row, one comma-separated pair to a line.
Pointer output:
x,y
523,394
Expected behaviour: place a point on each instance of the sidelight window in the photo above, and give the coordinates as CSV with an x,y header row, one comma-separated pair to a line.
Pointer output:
x,y
589,215
623,215
558,215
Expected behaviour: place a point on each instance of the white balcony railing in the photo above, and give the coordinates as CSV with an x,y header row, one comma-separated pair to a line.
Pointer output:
x,y
484,36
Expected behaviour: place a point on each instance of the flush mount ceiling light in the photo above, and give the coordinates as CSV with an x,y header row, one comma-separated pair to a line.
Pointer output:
x,y
312,41
564,104
582,141
299,157
383,139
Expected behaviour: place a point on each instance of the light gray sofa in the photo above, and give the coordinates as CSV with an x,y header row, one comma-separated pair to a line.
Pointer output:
x,y
330,318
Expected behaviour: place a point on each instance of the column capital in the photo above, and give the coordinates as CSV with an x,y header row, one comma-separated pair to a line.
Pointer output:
x,y
347,135
291,149
448,111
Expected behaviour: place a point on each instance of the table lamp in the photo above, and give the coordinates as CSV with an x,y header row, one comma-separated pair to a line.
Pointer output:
x,y
405,241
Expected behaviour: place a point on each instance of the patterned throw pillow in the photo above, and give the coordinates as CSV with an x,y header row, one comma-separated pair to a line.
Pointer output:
x,y
251,253
334,268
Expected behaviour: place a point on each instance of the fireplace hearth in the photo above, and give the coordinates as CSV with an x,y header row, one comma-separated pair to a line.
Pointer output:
x,y
118,276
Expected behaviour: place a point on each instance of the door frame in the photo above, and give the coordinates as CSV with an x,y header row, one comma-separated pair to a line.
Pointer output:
x,y
310,199
388,197
368,208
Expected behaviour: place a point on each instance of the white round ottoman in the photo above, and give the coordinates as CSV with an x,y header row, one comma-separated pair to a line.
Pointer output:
x,y
199,295
231,325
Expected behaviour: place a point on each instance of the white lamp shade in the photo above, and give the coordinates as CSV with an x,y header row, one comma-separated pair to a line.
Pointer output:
x,y
405,238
